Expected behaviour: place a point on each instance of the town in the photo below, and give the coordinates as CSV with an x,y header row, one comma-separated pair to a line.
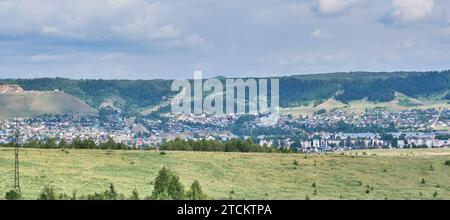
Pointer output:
x,y
336,130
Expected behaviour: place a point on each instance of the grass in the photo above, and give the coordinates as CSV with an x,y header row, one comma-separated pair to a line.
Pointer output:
x,y
28,104
378,174
400,103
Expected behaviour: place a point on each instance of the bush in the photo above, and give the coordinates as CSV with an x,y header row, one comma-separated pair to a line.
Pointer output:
x,y
135,195
162,153
447,163
110,194
47,193
295,163
195,192
13,195
167,186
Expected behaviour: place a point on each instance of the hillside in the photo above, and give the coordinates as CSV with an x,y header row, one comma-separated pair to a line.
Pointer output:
x,y
135,96
26,104
373,174
399,103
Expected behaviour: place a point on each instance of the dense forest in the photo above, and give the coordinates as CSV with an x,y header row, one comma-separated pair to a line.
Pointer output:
x,y
132,95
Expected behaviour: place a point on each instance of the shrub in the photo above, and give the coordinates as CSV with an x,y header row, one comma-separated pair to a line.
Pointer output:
x,y
195,192
167,186
13,195
96,196
447,163
295,163
110,194
422,181
134,195
64,196
47,193
162,153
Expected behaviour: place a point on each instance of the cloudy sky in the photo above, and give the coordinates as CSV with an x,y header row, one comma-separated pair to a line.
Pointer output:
x,y
172,38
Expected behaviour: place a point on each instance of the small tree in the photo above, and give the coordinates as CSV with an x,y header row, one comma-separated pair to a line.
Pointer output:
x,y
47,193
51,144
63,144
135,195
167,186
111,194
195,192
13,195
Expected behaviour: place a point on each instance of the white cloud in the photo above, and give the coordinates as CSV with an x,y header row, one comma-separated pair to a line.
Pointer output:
x,y
333,7
411,10
320,34
130,20
48,58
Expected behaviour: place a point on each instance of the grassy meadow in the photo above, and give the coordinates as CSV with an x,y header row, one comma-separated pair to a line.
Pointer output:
x,y
374,174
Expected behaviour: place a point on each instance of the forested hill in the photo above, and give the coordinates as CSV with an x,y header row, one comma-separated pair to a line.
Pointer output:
x,y
132,95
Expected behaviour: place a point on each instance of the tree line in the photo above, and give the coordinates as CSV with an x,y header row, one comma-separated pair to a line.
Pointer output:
x,y
233,145
77,143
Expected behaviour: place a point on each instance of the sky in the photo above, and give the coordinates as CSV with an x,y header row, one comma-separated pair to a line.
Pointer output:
x,y
141,39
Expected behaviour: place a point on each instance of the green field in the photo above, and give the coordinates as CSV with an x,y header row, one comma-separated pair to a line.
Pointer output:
x,y
387,174
29,104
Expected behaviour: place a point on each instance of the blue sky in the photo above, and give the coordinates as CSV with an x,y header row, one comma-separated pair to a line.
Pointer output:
x,y
172,38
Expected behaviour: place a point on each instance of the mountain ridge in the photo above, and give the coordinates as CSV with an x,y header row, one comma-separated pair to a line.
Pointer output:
x,y
133,96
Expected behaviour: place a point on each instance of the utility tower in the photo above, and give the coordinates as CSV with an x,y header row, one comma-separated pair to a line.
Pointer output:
x,y
16,165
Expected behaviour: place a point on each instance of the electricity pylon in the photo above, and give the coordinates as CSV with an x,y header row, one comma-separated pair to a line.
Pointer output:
x,y
16,165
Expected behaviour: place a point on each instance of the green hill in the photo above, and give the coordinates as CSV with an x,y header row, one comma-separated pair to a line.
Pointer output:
x,y
135,96
26,104
399,103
